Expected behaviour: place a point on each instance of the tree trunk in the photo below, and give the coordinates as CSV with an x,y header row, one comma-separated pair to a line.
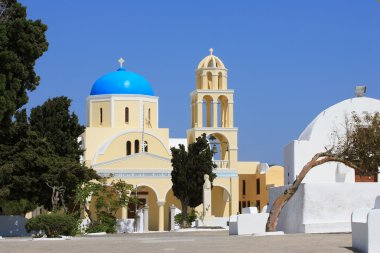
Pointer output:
x,y
280,202
89,213
184,214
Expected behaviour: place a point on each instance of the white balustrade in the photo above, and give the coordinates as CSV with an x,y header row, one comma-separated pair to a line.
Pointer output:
x,y
222,164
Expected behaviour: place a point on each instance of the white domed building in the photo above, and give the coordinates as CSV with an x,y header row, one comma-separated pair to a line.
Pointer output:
x,y
320,135
328,194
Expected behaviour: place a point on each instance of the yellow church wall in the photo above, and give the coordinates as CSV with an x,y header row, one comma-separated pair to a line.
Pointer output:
x,y
220,207
233,158
138,161
95,137
105,105
247,167
263,196
117,149
249,196
153,114
119,110
275,176
170,200
234,181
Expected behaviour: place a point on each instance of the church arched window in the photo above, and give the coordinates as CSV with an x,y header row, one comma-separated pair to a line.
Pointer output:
x,y
149,114
145,146
220,84
208,112
101,115
209,80
137,146
128,147
126,115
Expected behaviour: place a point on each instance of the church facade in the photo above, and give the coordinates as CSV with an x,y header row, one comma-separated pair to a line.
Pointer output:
x,y
123,140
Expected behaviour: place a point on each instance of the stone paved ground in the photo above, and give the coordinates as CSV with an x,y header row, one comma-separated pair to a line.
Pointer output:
x,y
192,242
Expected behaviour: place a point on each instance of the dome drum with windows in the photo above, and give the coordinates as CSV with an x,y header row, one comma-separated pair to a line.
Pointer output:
x,y
122,99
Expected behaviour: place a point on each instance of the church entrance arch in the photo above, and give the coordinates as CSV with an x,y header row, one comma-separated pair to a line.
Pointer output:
x,y
170,200
145,195
220,201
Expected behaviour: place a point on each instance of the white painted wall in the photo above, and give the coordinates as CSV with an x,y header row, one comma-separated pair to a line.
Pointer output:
x,y
323,207
365,228
299,153
174,142
318,136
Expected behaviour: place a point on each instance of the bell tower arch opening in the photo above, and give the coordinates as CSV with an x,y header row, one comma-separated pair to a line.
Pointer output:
x,y
207,106
223,111
220,81
220,148
209,81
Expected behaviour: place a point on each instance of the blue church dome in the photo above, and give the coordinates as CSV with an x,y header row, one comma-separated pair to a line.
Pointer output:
x,y
121,82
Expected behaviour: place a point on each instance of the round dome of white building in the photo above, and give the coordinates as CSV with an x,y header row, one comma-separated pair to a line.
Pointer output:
x,y
321,134
333,119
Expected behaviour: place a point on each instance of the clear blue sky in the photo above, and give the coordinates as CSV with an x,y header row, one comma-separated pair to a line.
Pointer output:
x,y
287,60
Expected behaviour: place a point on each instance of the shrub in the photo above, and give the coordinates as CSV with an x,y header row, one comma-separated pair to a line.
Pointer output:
x,y
191,217
54,224
104,223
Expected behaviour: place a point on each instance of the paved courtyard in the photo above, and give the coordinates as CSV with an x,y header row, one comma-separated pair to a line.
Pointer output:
x,y
213,241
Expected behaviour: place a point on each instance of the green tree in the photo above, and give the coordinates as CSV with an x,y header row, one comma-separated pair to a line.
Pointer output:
x,y
22,42
189,168
21,164
358,148
28,162
53,121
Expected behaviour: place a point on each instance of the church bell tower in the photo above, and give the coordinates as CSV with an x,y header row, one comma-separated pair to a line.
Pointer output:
x,y
212,111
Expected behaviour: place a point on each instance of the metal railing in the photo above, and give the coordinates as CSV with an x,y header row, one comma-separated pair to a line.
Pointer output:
x,y
222,164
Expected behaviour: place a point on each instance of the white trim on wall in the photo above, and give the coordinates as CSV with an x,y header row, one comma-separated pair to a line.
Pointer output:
x,y
141,113
123,97
112,109
158,173
229,91
90,117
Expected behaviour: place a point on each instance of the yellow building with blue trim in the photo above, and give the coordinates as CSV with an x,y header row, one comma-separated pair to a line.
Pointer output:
x,y
123,139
